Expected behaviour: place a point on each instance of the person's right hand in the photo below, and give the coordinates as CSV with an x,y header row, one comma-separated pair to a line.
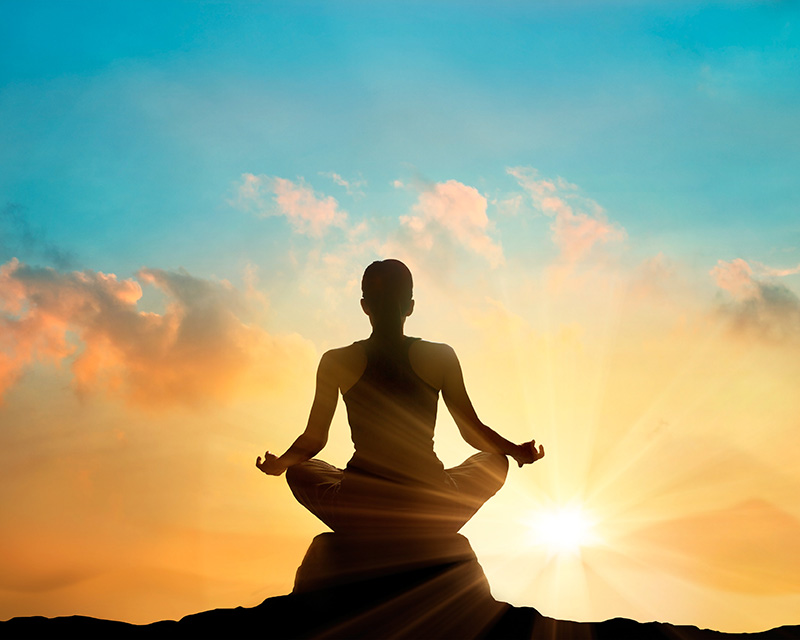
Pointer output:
x,y
526,453
270,465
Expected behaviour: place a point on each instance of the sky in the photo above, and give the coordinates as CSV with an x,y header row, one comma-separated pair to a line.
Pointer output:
x,y
599,204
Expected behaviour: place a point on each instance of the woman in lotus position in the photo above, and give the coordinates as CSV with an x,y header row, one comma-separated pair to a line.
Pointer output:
x,y
390,383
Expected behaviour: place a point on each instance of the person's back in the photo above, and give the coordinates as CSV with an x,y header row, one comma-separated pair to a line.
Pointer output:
x,y
392,414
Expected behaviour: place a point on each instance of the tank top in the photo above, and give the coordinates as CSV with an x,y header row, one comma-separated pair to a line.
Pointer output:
x,y
392,415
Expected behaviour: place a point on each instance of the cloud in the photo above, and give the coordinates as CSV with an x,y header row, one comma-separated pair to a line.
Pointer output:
x,y
510,206
763,308
775,272
452,210
307,212
353,187
735,277
578,223
201,349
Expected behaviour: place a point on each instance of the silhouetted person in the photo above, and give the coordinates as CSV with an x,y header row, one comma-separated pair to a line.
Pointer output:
x,y
394,483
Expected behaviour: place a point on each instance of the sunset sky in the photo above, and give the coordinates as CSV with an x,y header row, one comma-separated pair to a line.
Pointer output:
x,y
600,205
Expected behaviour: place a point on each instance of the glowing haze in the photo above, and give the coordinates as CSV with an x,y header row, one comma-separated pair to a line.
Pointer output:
x,y
599,206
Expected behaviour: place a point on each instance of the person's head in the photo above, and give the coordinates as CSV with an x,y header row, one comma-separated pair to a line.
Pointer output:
x,y
386,290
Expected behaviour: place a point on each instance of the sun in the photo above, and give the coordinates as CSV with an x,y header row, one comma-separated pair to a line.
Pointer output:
x,y
562,529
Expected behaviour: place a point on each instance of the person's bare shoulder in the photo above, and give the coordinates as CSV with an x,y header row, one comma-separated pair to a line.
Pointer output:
x,y
431,361
436,349
345,364
343,354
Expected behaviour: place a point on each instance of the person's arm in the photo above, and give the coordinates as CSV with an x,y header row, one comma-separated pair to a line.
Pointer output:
x,y
313,439
474,432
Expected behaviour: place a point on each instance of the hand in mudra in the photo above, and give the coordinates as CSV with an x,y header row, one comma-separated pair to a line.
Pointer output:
x,y
270,464
527,453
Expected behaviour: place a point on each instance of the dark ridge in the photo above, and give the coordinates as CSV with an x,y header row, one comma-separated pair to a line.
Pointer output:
x,y
348,587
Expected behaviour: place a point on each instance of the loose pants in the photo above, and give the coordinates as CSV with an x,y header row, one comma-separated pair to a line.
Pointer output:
x,y
348,501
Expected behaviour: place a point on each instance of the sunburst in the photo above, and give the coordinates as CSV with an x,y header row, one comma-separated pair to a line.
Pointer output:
x,y
562,529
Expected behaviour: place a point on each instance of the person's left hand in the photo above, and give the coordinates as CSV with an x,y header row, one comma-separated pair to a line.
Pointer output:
x,y
527,454
270,464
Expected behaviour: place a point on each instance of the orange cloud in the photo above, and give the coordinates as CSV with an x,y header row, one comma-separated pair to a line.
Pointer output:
x,y
201,349
307,212
453,210
575,232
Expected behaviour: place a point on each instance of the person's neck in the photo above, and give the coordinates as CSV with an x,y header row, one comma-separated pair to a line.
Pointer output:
x,y
387,335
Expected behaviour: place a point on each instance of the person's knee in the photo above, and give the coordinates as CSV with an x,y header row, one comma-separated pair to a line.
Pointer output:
x,y
496,461
500,466
312,472
504,463
291,471
292,475
297,474
495,466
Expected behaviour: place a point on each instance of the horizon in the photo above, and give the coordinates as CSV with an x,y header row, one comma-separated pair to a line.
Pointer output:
x,y
598,203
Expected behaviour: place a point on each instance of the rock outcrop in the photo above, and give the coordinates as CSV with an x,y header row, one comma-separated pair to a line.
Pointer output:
x,y
351,587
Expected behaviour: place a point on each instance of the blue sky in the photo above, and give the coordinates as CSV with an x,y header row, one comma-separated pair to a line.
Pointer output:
x,y
678,117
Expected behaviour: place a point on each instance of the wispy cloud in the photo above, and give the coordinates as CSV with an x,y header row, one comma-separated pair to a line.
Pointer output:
x,y
201,349
307,212
578,224
453,210
353,187
764,308
776,272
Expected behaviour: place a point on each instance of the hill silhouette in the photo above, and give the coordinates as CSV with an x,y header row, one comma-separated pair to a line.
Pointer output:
x,y
352,587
